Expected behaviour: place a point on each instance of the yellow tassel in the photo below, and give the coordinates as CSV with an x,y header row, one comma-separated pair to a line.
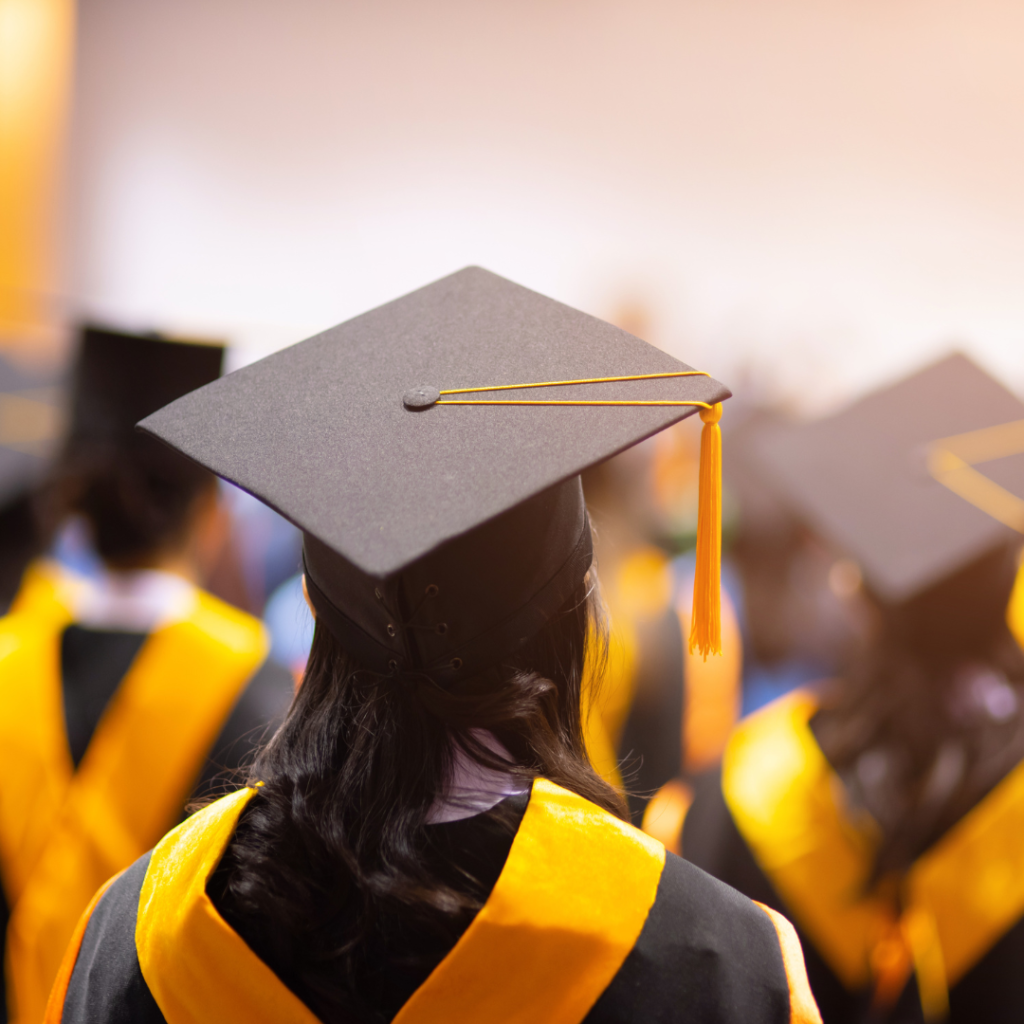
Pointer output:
x,y
706,630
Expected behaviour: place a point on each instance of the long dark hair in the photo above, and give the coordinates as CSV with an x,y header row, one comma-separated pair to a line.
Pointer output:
x,y
931,716
328,856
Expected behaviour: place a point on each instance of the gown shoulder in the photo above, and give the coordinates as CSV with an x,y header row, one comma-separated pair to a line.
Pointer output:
x,y
706,953
106,983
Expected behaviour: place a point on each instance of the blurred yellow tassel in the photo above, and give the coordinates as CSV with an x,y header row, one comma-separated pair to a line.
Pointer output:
x,y
706,631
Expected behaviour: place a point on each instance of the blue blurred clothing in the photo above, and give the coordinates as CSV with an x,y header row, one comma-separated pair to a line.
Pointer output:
x,y
287,618
72,548
764,683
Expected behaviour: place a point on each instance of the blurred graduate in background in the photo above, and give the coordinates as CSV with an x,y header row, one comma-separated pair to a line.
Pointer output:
x,y
660,712
884,810
663,715
796,596
126,690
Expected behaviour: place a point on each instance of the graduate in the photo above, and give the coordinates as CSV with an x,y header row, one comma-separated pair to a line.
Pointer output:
x,y
884,811
122,692
660,712
424,838
802,616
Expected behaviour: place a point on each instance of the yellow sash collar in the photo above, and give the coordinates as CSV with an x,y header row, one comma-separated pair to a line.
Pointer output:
x,y
48,593
62,832
957,899
567,909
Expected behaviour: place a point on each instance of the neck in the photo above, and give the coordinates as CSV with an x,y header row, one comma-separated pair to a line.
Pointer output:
x,y
135,600
176,563
474,788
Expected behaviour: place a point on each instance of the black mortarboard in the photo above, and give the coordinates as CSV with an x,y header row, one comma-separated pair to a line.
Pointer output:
x,y
343,435
915,481
121,378
133,492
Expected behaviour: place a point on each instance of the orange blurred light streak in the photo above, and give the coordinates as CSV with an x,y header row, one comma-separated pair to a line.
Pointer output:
x,y
36,57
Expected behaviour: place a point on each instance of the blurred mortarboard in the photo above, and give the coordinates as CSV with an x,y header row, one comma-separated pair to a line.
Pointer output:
x,y
324,433
764,516
120,378
915,481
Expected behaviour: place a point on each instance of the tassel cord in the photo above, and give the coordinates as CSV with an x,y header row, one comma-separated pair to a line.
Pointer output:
x,y
706,623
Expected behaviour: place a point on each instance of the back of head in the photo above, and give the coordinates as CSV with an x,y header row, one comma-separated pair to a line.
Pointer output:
x,y
135,493
335,850
918,483
960,618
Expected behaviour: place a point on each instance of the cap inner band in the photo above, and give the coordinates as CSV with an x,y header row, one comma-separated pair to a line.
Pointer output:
x,y
468,605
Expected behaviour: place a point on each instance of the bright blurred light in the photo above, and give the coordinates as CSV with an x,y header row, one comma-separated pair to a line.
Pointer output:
x,y
36,40
809,198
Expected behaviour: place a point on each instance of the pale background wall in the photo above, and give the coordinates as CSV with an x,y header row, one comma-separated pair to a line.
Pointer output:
x,y
825,191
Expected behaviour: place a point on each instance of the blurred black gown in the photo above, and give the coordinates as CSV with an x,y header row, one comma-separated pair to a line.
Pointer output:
x,y
773,823
89,716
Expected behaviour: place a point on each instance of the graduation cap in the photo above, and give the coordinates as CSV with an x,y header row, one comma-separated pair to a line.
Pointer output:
x,y
131,490
120,378
430,452
916,481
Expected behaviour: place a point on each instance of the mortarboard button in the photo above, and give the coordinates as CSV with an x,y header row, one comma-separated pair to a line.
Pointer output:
x,y
420,398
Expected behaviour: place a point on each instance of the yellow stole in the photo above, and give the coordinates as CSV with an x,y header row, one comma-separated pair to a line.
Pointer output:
x,y
567,909
955,902
47,593
64,832
1015,609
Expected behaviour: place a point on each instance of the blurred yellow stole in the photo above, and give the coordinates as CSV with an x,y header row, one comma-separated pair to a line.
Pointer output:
x,y
568,907
65,832
957,899
47,593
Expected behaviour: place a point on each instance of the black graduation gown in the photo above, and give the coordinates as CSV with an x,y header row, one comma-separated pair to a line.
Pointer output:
x,y
986,987
701,952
